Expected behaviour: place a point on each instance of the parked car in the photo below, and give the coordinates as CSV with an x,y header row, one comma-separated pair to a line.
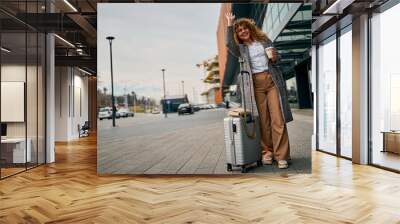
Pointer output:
x,y
185,108
117,115
124,112
130,114
209,106
196,108
104,113
221,105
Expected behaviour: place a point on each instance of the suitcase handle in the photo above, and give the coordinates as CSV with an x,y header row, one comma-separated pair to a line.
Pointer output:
x,y
251,134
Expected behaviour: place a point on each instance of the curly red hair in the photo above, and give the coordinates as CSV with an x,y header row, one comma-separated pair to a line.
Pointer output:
x,y
255,33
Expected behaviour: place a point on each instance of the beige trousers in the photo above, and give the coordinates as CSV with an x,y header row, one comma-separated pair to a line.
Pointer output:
x,y
274,135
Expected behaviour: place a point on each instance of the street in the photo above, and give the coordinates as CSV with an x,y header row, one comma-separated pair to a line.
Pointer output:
x,y
186,144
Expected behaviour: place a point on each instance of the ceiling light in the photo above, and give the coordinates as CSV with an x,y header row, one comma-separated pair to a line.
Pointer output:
x,y
64,40
5,50
70,5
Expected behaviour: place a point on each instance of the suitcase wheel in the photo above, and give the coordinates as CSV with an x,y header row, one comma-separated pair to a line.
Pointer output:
x,y
243,169
229,167
259,163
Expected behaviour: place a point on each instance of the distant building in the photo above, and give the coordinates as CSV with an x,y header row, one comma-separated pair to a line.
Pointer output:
x,y
212,80
170,103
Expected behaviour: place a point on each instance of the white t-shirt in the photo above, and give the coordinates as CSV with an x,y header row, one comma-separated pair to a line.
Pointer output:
x,y
258,59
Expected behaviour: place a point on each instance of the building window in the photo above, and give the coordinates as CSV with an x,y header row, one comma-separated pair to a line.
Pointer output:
x,y
327,95
385,89
346,93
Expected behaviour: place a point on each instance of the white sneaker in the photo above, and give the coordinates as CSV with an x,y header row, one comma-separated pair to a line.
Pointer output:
x,y
282,164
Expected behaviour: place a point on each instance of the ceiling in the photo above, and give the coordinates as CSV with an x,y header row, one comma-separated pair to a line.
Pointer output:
x,y
73,21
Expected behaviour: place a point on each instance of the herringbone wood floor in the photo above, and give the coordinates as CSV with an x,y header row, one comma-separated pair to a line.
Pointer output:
x,y
70,191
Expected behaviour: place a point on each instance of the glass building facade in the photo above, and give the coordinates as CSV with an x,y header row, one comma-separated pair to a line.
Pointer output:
x,y
289,26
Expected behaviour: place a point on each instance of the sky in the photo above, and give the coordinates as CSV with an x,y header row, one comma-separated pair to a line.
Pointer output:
x,y
149,37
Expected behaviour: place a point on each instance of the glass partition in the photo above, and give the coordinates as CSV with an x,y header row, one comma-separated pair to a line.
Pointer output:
x,y
327,95
41,96
22,88
31,97
14,153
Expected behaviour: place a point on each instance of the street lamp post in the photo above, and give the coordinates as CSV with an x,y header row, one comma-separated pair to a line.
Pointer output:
x,y
183,88
110,39
134,102
194,96
164,101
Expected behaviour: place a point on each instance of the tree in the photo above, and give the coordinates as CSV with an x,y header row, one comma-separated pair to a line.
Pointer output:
x,y
131,98
119,99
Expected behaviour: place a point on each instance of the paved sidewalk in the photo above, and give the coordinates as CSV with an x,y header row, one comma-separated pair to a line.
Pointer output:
x,y
190,144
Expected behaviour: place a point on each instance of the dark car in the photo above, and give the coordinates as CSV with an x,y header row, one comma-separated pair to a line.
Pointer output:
x,y
196,108
221,105
185,108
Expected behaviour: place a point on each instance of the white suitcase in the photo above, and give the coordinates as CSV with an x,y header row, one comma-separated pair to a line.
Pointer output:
x,y
241,150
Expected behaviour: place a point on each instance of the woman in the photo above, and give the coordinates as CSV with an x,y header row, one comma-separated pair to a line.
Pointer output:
x,y
246,40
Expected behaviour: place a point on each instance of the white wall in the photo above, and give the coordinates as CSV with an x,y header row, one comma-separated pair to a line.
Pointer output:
x,y
62,81
71,94
33,125
360,90
79,115
50,93
12,73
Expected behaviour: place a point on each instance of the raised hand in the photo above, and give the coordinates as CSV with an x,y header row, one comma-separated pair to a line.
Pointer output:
x,y
229,18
